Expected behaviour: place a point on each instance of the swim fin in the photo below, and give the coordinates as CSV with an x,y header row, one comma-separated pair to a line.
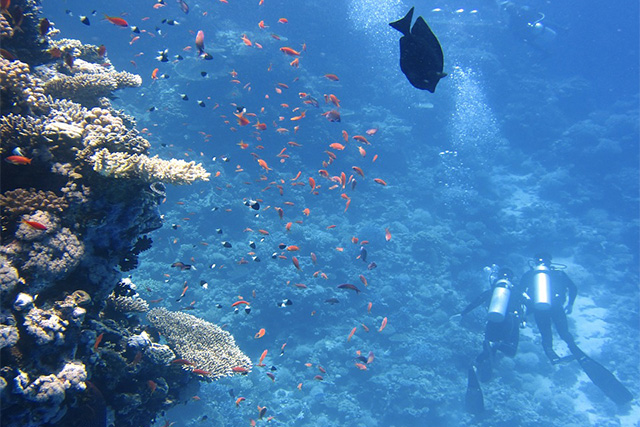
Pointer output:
x,y
474,402
605,380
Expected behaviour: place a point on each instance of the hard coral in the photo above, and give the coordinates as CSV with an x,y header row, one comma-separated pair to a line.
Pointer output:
x,y
89,83
209,347
21,88
148,169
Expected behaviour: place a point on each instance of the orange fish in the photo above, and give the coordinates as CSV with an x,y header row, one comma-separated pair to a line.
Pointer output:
x,y
379,181
374,158
34,224
283,20
370,357
296,263
361,139
353,331
314,258
238,400
312,183
154,74
289,51
366,329
116,21
337,146
361,366
261,25
259,334
264,232
371,131
364,280
387,234
18,160
295,63
98,340
293,248
362,151
200,42
384,323
369,307
332,77
306,211
264,165
288,226
239,302
262,356
358,170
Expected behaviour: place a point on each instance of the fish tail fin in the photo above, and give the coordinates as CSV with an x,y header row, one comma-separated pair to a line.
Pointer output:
x,y
404,25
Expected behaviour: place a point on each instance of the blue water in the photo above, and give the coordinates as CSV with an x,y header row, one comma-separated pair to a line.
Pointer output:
x,y
525,146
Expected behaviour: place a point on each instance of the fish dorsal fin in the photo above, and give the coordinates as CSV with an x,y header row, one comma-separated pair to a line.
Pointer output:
x,y
421,30
404,25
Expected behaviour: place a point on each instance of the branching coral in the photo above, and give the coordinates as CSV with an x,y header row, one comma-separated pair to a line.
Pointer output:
x,y
20,131
20,201
126,304
6,31
209,347
16,80
9,278
148,169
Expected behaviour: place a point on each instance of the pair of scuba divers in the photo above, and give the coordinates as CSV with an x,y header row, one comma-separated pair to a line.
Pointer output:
x,y
542,290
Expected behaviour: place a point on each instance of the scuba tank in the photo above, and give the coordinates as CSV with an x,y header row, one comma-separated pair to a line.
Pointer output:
x,y
541,33
500,300
542,288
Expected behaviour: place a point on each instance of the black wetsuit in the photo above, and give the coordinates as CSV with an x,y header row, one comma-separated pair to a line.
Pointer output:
x,y
561,285
503,336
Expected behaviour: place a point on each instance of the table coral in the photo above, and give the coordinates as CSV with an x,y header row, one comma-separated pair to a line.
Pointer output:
x,y
209,347
89,83
148,169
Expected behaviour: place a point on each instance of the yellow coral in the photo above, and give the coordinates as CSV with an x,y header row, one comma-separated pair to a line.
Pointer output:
x,y
148,169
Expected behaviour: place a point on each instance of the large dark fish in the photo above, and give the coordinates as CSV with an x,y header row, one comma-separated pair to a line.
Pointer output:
x,y
421,58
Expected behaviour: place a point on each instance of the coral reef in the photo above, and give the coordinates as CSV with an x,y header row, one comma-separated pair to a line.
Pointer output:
x,y
77,200
207,346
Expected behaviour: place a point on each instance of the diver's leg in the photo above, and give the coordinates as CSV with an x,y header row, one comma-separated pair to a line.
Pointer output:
x,y
511,336
543,320
562,326
484,362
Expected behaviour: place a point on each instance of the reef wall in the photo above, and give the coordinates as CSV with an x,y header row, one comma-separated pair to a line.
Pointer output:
x,y
80,194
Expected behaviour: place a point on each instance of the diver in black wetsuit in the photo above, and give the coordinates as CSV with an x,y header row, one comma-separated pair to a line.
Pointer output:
x,y
527,24
546,289
506,314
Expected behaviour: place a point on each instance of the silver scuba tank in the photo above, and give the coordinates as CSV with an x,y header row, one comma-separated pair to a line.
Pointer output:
x,y
499,301
542,288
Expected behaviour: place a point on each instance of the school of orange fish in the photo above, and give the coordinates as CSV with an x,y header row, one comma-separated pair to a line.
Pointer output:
x,y
272,137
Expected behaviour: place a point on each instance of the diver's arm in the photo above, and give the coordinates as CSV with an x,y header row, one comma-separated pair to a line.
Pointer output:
x,y
573,292
482,298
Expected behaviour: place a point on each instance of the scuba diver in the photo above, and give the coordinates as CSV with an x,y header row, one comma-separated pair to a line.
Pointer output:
x,y
527,24
546,287
505,316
